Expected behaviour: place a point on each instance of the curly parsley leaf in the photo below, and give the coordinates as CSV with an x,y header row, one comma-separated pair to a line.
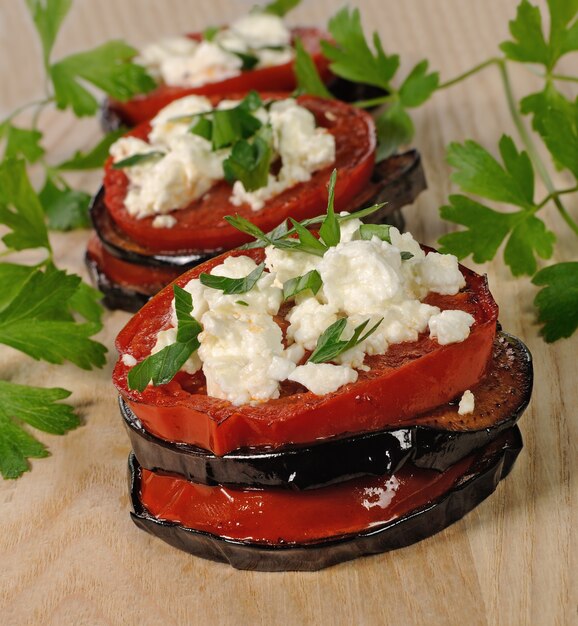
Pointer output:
x,y
557,302
48,16
65,208
330,345
39,323
161,367
418,85
37,407
107,67
280,7
478,172
352,58
394,128
308,79
20,208
231,286
94,158
487,229
299,284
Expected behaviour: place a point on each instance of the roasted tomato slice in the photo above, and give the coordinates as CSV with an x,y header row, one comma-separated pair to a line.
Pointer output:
x,y
201,225
276,78
407,380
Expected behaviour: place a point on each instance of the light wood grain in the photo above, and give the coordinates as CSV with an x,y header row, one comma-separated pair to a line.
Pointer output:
x,y
68,551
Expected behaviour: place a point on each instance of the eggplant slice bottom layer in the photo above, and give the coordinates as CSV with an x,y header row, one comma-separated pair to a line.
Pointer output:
x,y
488,467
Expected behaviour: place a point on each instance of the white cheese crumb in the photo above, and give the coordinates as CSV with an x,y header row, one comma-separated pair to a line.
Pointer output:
x,y
450,326
323,378
129,360
168,337
308,320
467,403
164,221
440,273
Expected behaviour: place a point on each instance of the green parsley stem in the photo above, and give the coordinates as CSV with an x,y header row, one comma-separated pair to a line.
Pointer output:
x,y
556,194
471,72
531,148
571,79
366,104
24,107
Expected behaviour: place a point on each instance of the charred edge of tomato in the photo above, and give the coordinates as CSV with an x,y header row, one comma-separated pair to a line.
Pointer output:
x,y
115,296
468,491
397,181
325,462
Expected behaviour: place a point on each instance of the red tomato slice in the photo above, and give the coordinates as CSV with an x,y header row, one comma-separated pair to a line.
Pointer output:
x,y
409,379
277,78
201,225
261,516
142,278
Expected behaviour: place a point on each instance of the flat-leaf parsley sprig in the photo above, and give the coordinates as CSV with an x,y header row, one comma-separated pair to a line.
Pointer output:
x,y
554,117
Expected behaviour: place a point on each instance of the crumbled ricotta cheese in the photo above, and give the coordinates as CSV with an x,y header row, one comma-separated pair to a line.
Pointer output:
x,y
242,356
450,326
440,273
323,378
303,149
243,352
164,221
184,62
189,167
129,360
467,403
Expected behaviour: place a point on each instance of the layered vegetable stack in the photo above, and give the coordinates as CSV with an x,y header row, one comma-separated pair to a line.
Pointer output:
x,y
317,397
207,145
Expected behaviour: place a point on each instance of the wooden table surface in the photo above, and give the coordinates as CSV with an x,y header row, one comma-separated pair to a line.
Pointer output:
x,y
69,553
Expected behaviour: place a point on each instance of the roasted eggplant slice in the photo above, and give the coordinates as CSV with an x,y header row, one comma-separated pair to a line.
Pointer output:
x,y
326,526
435,441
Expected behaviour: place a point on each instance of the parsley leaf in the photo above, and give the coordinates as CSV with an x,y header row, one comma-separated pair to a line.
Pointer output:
x,y
479,173
308,79
559,130
418,85
138,159
37,407
280,7
245,226
293,286
233,285
352,58
307,242
23,142
487,229
394,128
20,208
557,302
369,231
250,162
230,125
12,278
65,208
330,345
529,45
210,33
94,158
42,327
330,231
107,67
48,16
161,367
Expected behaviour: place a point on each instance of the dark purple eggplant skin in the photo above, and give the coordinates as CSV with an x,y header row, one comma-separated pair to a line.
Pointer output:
x,y
397,181
330,461
115,297
466,493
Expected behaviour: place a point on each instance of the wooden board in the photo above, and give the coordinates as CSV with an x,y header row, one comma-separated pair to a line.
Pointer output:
x,y
69,553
